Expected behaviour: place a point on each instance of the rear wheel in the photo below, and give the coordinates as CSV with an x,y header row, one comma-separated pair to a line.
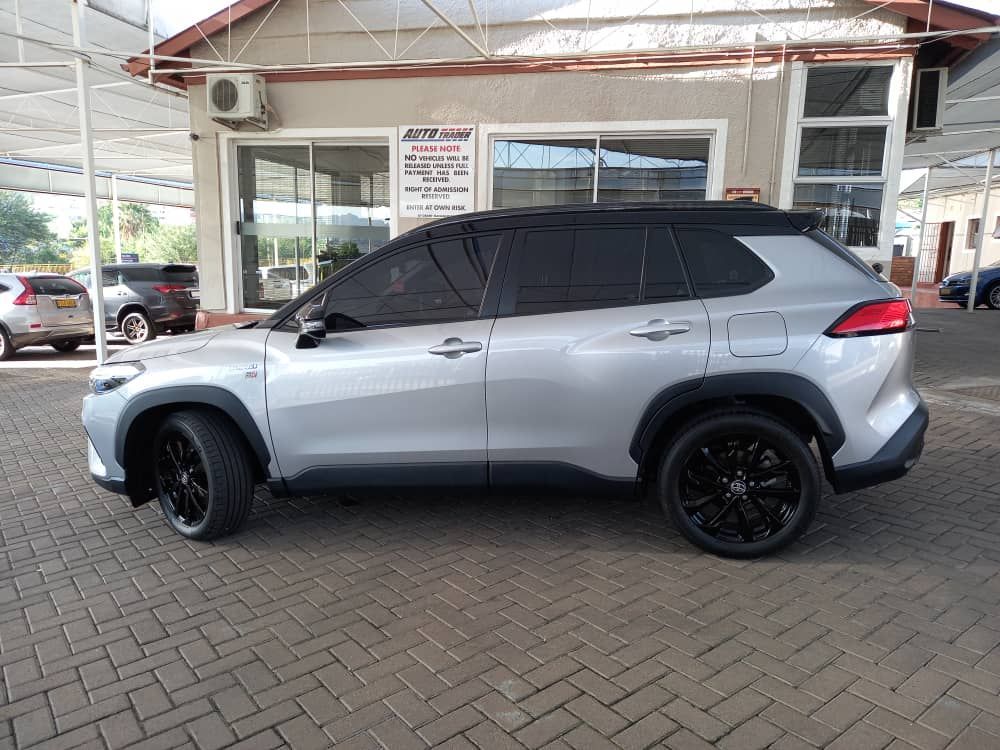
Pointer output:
x,y
6,347
137,328
740,484
203,474
66,346
993,296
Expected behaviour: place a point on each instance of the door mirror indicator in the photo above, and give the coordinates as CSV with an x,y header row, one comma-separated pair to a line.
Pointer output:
x,y
312,328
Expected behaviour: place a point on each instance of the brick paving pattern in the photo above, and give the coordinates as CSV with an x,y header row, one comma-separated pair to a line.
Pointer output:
x,y
504,622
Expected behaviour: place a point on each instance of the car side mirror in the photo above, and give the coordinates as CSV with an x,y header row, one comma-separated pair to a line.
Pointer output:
x,y
312,328
877,267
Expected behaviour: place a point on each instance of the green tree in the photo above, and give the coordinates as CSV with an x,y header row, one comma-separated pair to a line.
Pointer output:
x,y
170,244
137,224
24,231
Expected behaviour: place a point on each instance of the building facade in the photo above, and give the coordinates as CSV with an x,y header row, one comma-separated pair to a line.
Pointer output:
x,y
384,116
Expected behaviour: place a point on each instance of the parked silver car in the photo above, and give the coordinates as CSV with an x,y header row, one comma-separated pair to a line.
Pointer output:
x,y
39,309
694,349
142,299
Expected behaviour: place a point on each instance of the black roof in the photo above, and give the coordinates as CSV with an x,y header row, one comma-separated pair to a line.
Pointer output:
x,y
715,212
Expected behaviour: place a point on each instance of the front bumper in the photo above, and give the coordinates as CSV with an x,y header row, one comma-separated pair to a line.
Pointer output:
x,y
892,461
957,294
100,417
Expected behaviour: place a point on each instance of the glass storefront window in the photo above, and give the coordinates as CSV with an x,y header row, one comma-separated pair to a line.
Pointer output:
x,y
852,211
551,171
652,169
306,211
543,172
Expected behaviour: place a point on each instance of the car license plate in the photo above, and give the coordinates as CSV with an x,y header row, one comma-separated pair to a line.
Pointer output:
x,y
945,292
65,303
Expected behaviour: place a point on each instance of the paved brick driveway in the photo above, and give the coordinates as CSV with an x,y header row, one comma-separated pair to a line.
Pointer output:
x,y
478,623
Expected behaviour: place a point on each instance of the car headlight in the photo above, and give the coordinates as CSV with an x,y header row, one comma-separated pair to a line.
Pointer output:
x,y
108,377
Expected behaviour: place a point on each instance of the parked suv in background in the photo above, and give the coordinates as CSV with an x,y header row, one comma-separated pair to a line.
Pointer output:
x,y
39,309
142,299
698,349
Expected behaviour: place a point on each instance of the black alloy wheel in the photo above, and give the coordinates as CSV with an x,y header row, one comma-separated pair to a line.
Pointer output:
x,y
739,488
740,484
203,473
182,478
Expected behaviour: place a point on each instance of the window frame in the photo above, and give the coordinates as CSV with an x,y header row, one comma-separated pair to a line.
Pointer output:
x,y
715,131
895,122
491,291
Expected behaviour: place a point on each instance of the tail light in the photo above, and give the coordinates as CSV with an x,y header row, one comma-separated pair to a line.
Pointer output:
x,y
27,297
874,319
169,288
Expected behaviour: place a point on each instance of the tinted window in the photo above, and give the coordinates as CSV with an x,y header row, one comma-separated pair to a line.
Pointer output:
x,y
109,278
141,274
182,274
720,265
579,269
54,285
431,283
664,273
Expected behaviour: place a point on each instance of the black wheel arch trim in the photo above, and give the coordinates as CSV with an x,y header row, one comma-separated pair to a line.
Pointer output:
x,y
192,395
670,401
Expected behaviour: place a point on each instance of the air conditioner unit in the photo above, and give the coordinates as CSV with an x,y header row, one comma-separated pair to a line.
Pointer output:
x,y
928,99
234,98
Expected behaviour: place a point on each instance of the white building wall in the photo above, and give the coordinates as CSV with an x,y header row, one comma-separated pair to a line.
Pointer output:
x,y
960,208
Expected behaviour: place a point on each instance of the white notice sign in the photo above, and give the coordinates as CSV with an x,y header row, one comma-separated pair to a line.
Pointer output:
x,y
436,170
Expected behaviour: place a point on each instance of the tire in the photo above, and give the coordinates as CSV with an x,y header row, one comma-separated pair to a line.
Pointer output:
x,y
6,345
66,346
202,474
181,329
993,297
774,508
137,328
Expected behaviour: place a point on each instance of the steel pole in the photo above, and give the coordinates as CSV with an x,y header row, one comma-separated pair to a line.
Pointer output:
x,y
983,217
920,237
116,218
90,184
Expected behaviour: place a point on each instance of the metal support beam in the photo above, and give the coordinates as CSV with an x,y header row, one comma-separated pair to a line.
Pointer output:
x,y
456,28
983,218
920,237
90,183
116,219
19,28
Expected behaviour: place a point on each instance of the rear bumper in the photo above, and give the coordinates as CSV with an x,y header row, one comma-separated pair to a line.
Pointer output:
x,y
41,336
892,461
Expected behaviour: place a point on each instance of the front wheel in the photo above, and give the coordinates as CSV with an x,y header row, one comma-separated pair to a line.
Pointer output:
x,y
993,297
740,484
138,328
203,474
66,346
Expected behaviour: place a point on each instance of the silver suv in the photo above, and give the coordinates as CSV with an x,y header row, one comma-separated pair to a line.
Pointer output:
x,y
40,309
718,354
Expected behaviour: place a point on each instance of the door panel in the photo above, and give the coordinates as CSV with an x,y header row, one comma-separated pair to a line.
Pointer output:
x,y
571,387
379,396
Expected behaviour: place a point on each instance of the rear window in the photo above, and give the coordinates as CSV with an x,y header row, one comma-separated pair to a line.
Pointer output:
x,y
174,274
55,285
721,265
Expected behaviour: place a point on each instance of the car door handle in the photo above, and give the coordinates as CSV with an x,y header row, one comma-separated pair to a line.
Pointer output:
x,y
452,348
659,329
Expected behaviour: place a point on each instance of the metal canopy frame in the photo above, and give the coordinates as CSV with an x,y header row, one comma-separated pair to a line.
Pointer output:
x,y
72,113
